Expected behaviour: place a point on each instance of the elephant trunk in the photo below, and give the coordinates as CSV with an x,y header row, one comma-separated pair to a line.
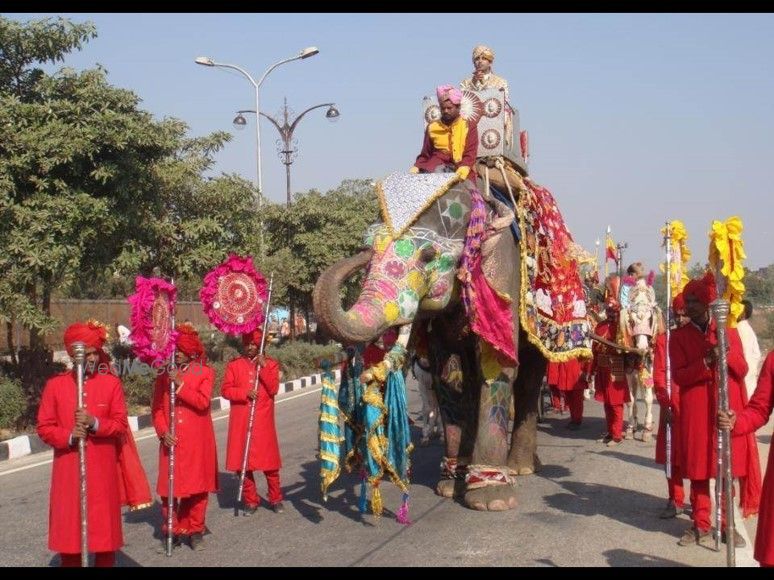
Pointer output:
x,y
327,302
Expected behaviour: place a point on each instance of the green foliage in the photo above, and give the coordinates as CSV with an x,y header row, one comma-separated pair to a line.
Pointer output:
x,y
297,358
12,402
138,391
315,232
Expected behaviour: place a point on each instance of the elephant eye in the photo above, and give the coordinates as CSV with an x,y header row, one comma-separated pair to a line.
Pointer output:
x,y
428,254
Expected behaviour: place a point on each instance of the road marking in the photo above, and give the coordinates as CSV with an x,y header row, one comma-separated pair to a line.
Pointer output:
x,y
152,435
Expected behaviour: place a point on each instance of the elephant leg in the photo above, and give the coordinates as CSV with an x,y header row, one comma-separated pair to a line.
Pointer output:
x,y
488,481
522,457
452,422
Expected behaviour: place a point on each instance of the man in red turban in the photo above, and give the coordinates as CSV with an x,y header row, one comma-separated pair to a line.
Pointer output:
x,y
608,367
196,462
694,356
450,143
240,387
102,421
669,415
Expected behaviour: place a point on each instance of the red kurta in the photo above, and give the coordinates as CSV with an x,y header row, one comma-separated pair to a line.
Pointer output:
x,y
196,461
568,375
104,399
264,447
430,157
609,388
754,416
698,406
659,385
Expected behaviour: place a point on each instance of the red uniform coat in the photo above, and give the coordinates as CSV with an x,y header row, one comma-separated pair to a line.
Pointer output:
x,y
659,385
698,406
196,461
754,416
264,447
104,399
568,375
609,389
430,157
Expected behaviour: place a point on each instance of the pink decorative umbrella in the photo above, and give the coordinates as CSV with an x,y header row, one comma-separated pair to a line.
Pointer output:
x,y
153,309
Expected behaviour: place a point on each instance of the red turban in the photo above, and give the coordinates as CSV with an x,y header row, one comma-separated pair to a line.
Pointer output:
x,y
448,92
188,341
678,304
703,289
253,337
92,333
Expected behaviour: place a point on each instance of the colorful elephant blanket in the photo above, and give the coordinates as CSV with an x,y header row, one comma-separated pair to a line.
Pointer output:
x,y
552,309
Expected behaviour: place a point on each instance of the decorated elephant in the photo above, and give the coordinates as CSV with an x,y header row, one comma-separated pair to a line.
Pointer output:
x,y
493,296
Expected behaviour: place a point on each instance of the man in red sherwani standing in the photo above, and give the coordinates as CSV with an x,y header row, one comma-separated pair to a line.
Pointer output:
x,y
670,414
754,416
694,355
239,387
61,424
570,379
608,369
196,462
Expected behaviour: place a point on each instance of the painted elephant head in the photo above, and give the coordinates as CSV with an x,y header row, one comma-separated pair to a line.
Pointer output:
x,y
415,271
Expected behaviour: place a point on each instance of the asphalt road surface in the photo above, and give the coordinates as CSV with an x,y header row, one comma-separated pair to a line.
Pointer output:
x,y
589,506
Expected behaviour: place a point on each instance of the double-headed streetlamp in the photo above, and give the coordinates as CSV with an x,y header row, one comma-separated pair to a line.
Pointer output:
x,y
206,61
286,147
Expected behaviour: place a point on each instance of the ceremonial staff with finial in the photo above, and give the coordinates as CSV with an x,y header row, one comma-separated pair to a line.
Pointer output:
x,y
79,354
668,378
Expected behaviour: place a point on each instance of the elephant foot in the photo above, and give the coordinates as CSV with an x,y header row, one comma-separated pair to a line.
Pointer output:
x,y
450,488
493,498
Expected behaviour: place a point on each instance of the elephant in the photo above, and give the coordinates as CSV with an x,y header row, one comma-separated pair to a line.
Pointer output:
x,y
412,279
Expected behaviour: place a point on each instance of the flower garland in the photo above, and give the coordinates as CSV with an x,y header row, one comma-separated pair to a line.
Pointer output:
x,y
142,302
726,253
677,275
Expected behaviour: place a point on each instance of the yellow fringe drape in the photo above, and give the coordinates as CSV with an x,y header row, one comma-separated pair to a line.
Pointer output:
x,y
726,255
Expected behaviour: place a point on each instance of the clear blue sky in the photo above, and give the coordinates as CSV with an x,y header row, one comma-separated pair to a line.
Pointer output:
x,y
633,118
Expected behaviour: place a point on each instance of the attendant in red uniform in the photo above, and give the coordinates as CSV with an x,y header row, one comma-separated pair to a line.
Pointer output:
x,y
694,356
452,142
669,415
239,387
101,422
754,416
196,462
608,369
570,380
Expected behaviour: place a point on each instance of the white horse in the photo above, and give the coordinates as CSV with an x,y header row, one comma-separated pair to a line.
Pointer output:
x,y
641,321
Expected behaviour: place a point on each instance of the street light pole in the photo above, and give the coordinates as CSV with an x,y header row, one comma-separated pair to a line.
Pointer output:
x,y
206,61
286,147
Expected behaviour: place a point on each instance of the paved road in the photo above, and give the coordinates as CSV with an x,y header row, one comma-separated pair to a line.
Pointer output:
x,y
589,506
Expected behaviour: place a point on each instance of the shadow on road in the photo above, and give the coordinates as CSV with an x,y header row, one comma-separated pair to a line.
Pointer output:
x,y
620,557
634,508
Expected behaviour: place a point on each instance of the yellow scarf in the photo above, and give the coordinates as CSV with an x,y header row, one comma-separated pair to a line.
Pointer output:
x,y
450,137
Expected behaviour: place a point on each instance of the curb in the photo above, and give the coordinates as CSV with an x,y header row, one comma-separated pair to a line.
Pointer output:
x,y
31,444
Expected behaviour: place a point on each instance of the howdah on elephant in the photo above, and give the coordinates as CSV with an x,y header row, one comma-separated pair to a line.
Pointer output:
x,y
413,276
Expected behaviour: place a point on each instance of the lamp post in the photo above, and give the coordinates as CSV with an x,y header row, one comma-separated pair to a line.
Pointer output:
x,y
286,147
206,61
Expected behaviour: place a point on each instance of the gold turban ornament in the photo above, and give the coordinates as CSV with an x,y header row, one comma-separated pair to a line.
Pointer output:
x,y
484,51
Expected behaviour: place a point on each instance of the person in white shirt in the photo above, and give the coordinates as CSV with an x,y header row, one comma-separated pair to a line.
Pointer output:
x,y
752,352
123,334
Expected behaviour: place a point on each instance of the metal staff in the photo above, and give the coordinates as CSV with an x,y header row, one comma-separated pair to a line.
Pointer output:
x,y
668,366
720,309
79,354
171,456
253,403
